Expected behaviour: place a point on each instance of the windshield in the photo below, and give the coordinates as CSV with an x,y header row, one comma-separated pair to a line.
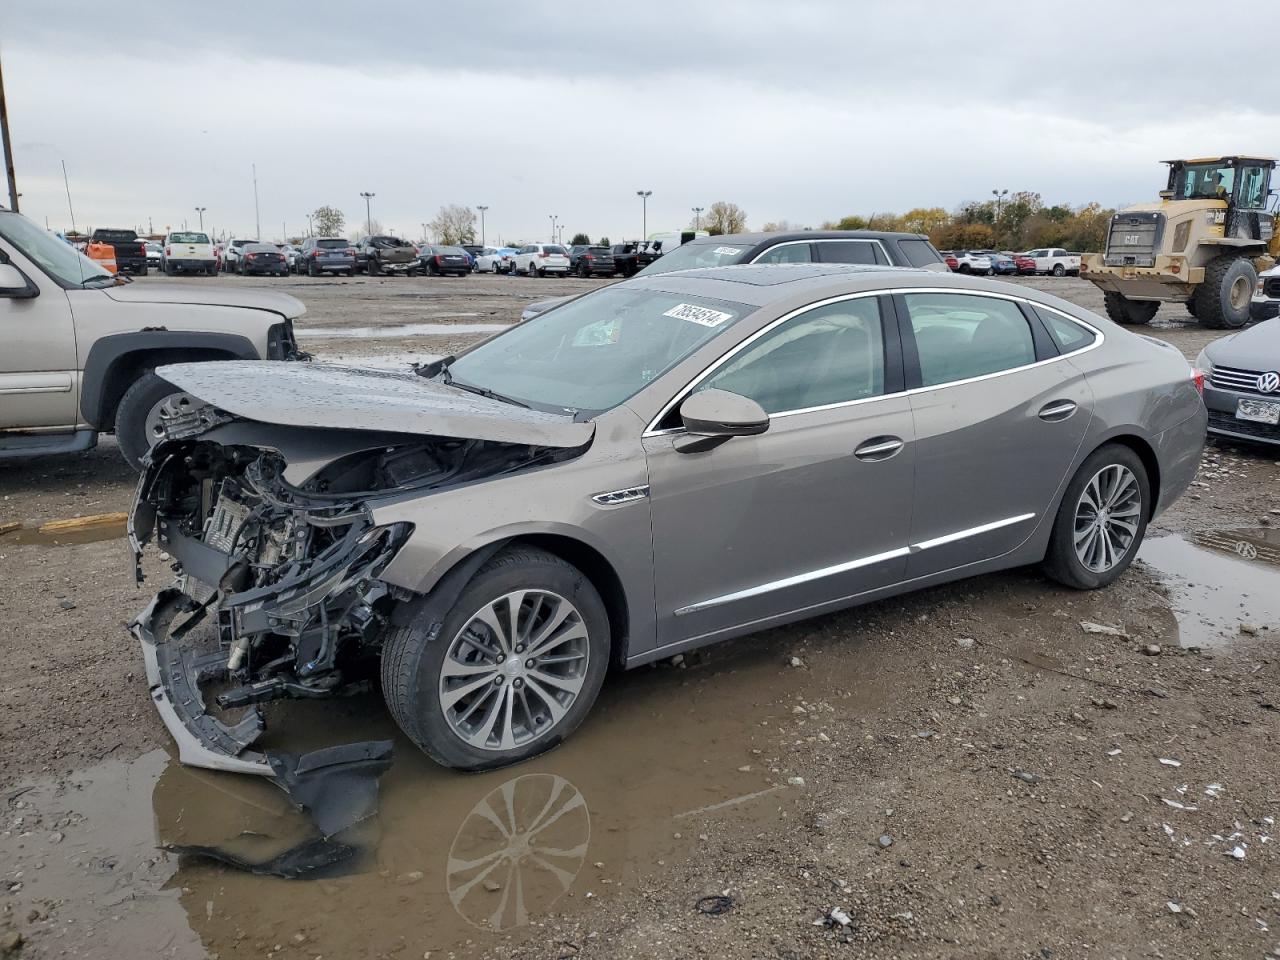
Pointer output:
x,y
592,354
691,256
1204,181
450,251
338,244
60,260
554,248
188,238
388,242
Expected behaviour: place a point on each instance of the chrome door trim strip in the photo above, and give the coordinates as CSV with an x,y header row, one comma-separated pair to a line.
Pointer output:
x,y
1098,338
971,532
792,581
812,575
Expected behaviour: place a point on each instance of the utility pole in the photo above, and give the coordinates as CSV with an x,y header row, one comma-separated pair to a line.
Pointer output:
x,y
482,208
368,216
644,196
8,149
257,220
201,210
553,226
311,232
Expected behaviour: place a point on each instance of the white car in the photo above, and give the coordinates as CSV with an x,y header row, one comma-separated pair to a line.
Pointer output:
x,y
540,259
290,256
496,259
969,262
1055,260
1266,296
231,254
188,251
155,254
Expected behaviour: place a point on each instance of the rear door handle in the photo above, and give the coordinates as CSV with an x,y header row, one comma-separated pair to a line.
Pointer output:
x,y
879,448
1057,410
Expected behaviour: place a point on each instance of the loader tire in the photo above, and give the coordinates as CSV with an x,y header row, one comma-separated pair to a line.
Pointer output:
x,y
1222,301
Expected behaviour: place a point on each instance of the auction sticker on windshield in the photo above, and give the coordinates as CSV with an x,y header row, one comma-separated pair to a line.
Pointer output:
x,y
702,315
727,251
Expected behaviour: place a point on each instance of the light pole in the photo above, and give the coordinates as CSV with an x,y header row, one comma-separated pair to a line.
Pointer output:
x,y
697,219
257,220
644,196
311,230
201,210
554,218
999,195
368,216
482,208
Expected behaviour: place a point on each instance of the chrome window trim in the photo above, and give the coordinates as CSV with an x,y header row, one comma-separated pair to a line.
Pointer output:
x,y
1098,339
811,575
791,243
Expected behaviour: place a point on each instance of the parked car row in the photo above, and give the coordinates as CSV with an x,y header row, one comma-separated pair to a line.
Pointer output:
x,y
1053,261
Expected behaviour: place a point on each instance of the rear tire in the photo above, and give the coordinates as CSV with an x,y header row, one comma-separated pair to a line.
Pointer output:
x,y
1222,301
414,657
1059,270
1063,561
1130,313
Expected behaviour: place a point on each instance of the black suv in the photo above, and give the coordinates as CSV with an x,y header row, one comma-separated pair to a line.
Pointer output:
x,y
808,246
588,261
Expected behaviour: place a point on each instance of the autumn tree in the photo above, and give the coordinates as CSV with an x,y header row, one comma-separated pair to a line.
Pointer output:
x,y
328,221
852,222
924,220
580,239
453,225
724,217
966,236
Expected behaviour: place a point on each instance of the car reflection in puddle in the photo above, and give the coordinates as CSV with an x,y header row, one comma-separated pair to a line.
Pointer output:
x,y
1219,580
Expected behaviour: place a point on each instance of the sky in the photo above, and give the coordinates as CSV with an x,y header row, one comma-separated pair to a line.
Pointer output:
x,y
803,110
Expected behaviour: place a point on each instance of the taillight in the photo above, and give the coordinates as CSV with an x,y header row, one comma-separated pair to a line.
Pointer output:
x,y
1197,377
588,256
167,251
439,259
351,251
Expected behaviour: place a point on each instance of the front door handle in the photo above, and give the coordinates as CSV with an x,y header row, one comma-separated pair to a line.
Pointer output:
x,y
879,448
1057,410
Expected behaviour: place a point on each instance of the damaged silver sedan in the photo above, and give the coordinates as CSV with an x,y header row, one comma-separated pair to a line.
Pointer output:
x,y
657,465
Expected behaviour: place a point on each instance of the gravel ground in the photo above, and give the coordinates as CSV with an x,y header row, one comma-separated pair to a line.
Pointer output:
x,y
964,772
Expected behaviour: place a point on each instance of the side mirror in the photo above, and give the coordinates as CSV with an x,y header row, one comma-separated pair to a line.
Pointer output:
x,y
14,285
721,414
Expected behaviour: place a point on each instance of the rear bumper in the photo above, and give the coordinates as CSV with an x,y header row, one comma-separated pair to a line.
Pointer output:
x,y
330,264
1178,451
190,264
1264,309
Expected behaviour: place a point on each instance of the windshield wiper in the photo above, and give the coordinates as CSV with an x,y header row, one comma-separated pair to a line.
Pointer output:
x,y
109,276
484,392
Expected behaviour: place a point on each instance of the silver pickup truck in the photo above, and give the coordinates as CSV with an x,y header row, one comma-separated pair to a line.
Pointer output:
x,y
81,345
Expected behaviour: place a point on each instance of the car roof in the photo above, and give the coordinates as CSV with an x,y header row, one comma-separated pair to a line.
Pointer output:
x,y
763,284
784,236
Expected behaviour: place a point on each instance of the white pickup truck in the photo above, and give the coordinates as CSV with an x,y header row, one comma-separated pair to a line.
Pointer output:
x,y
188,251
1055,261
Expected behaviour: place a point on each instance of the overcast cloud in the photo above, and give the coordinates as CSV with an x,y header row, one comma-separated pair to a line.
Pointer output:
x,y
803,110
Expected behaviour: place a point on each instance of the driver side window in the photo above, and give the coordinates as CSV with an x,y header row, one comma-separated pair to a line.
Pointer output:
x,y
831,354
786,253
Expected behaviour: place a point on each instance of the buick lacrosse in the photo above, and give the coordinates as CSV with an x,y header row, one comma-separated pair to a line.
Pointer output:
x,y
664,463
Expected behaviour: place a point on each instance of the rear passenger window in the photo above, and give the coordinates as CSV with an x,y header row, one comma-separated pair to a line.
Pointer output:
x,y
850,251
960,336
1067,335
831,354
785,253
919,253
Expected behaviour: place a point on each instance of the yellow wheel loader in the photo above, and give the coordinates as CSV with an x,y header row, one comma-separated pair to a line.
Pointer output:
x,y
1203,244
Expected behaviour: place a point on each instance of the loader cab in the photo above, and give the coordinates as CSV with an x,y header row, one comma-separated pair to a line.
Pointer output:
x,y
1243,183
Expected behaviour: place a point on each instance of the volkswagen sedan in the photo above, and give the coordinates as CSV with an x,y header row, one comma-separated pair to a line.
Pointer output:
x,y
663,463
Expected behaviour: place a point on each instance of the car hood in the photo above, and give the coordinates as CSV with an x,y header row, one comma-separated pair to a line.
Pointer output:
x,y
180,293
350,398
1257,348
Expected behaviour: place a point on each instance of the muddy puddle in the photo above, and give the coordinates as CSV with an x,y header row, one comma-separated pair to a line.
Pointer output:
x,y
1218,580
670,759
398,331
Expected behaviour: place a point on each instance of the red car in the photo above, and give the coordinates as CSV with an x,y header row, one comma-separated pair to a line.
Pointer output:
x,y
952,263
1025,265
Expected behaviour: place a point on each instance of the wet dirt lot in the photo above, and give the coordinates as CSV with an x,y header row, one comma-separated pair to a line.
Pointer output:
x,y
966,772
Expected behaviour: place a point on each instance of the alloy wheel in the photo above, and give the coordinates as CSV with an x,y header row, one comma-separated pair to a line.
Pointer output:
x,y
1108,516
174,405
513,672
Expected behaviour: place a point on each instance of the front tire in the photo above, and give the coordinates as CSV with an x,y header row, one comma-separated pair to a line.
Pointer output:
x,y
1222,301
137,415
458,681
1101,520
1128,312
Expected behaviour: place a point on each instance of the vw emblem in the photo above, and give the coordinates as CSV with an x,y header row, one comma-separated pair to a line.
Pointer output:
x,y
1269,382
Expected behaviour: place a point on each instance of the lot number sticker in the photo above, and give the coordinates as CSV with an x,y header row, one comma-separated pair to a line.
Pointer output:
x,y
727,251
700,315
